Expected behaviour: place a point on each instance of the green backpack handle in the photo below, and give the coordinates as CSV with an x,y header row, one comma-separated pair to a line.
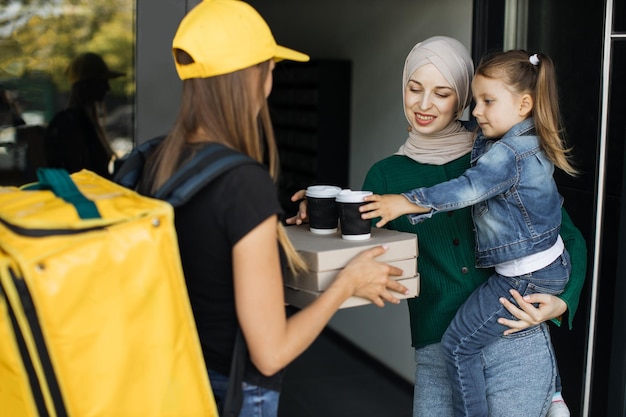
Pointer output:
x,y
61,184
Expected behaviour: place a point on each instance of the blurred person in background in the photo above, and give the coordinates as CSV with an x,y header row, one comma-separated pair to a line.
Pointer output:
x,y
75,137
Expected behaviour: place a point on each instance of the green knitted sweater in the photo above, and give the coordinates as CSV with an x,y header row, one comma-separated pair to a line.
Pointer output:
x,y
446,248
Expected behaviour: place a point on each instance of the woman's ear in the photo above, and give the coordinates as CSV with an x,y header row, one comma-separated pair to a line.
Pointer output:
x,y
526,105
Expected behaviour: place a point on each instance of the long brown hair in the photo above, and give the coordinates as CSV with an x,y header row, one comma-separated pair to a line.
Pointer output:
x,y
537,78
230,109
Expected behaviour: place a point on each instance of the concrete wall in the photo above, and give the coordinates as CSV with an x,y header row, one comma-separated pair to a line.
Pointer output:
x,y
375,35
158,86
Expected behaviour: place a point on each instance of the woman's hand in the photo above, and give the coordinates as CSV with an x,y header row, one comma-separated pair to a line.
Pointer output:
x,y
548,307
302,215
365,277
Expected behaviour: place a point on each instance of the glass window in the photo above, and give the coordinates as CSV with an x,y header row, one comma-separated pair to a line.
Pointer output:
x,y
39,39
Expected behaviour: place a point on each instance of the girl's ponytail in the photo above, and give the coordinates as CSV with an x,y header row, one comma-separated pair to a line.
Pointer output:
x,y
547,114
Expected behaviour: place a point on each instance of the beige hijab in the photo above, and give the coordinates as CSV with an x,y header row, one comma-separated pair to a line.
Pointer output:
x,y
451,58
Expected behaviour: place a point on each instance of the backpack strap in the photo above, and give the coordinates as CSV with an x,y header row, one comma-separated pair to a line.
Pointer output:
x,y
210,162
213,160
233,400
131,166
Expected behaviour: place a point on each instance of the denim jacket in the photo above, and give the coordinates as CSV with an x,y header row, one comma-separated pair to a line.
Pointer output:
x,y
516,207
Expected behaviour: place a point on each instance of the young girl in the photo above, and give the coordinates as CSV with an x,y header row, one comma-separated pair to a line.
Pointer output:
x,y
516,208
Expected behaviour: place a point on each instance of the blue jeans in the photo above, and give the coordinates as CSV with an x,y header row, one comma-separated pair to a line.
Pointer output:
x,y
475,326
257,401
520,372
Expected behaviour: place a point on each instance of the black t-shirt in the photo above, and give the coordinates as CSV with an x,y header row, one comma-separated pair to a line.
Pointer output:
x,y
208,226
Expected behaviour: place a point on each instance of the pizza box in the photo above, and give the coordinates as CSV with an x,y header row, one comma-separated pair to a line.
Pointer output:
x,y
320,280
300,298
331,252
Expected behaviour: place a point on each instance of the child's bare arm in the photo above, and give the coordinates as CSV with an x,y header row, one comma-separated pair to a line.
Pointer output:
x,y
389,207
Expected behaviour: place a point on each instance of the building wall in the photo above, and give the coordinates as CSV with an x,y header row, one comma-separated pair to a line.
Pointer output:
x,y
158,87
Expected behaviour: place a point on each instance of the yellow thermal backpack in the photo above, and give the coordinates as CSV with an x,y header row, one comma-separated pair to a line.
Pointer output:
x,y
95,318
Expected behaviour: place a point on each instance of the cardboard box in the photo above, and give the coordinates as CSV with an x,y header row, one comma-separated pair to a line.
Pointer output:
x,y
320,280
326,255
301,298
331,252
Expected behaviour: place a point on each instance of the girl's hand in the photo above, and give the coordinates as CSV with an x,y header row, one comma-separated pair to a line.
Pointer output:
x,y
302,215
548,308
388,207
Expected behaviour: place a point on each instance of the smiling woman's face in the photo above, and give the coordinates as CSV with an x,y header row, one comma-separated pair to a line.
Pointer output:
x,y
430,102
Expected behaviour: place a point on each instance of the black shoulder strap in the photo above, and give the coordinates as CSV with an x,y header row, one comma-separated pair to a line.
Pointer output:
x,y
234,392
210,162
131,166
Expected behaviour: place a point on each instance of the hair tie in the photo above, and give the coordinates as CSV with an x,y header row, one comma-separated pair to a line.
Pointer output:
x,y
534,59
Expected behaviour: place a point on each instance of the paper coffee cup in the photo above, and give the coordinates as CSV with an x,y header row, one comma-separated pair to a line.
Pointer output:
x,y
322,208
353,227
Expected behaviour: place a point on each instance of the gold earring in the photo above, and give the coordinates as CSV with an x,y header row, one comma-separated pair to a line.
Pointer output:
x,y
409,128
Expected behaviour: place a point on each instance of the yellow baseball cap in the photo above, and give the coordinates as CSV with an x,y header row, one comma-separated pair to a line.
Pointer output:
x,y
224,36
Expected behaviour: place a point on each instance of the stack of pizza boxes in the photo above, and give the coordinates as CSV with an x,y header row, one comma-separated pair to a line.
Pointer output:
x,y
325,255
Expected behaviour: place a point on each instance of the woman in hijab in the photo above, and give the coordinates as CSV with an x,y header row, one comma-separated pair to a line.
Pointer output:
x,y
437,150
